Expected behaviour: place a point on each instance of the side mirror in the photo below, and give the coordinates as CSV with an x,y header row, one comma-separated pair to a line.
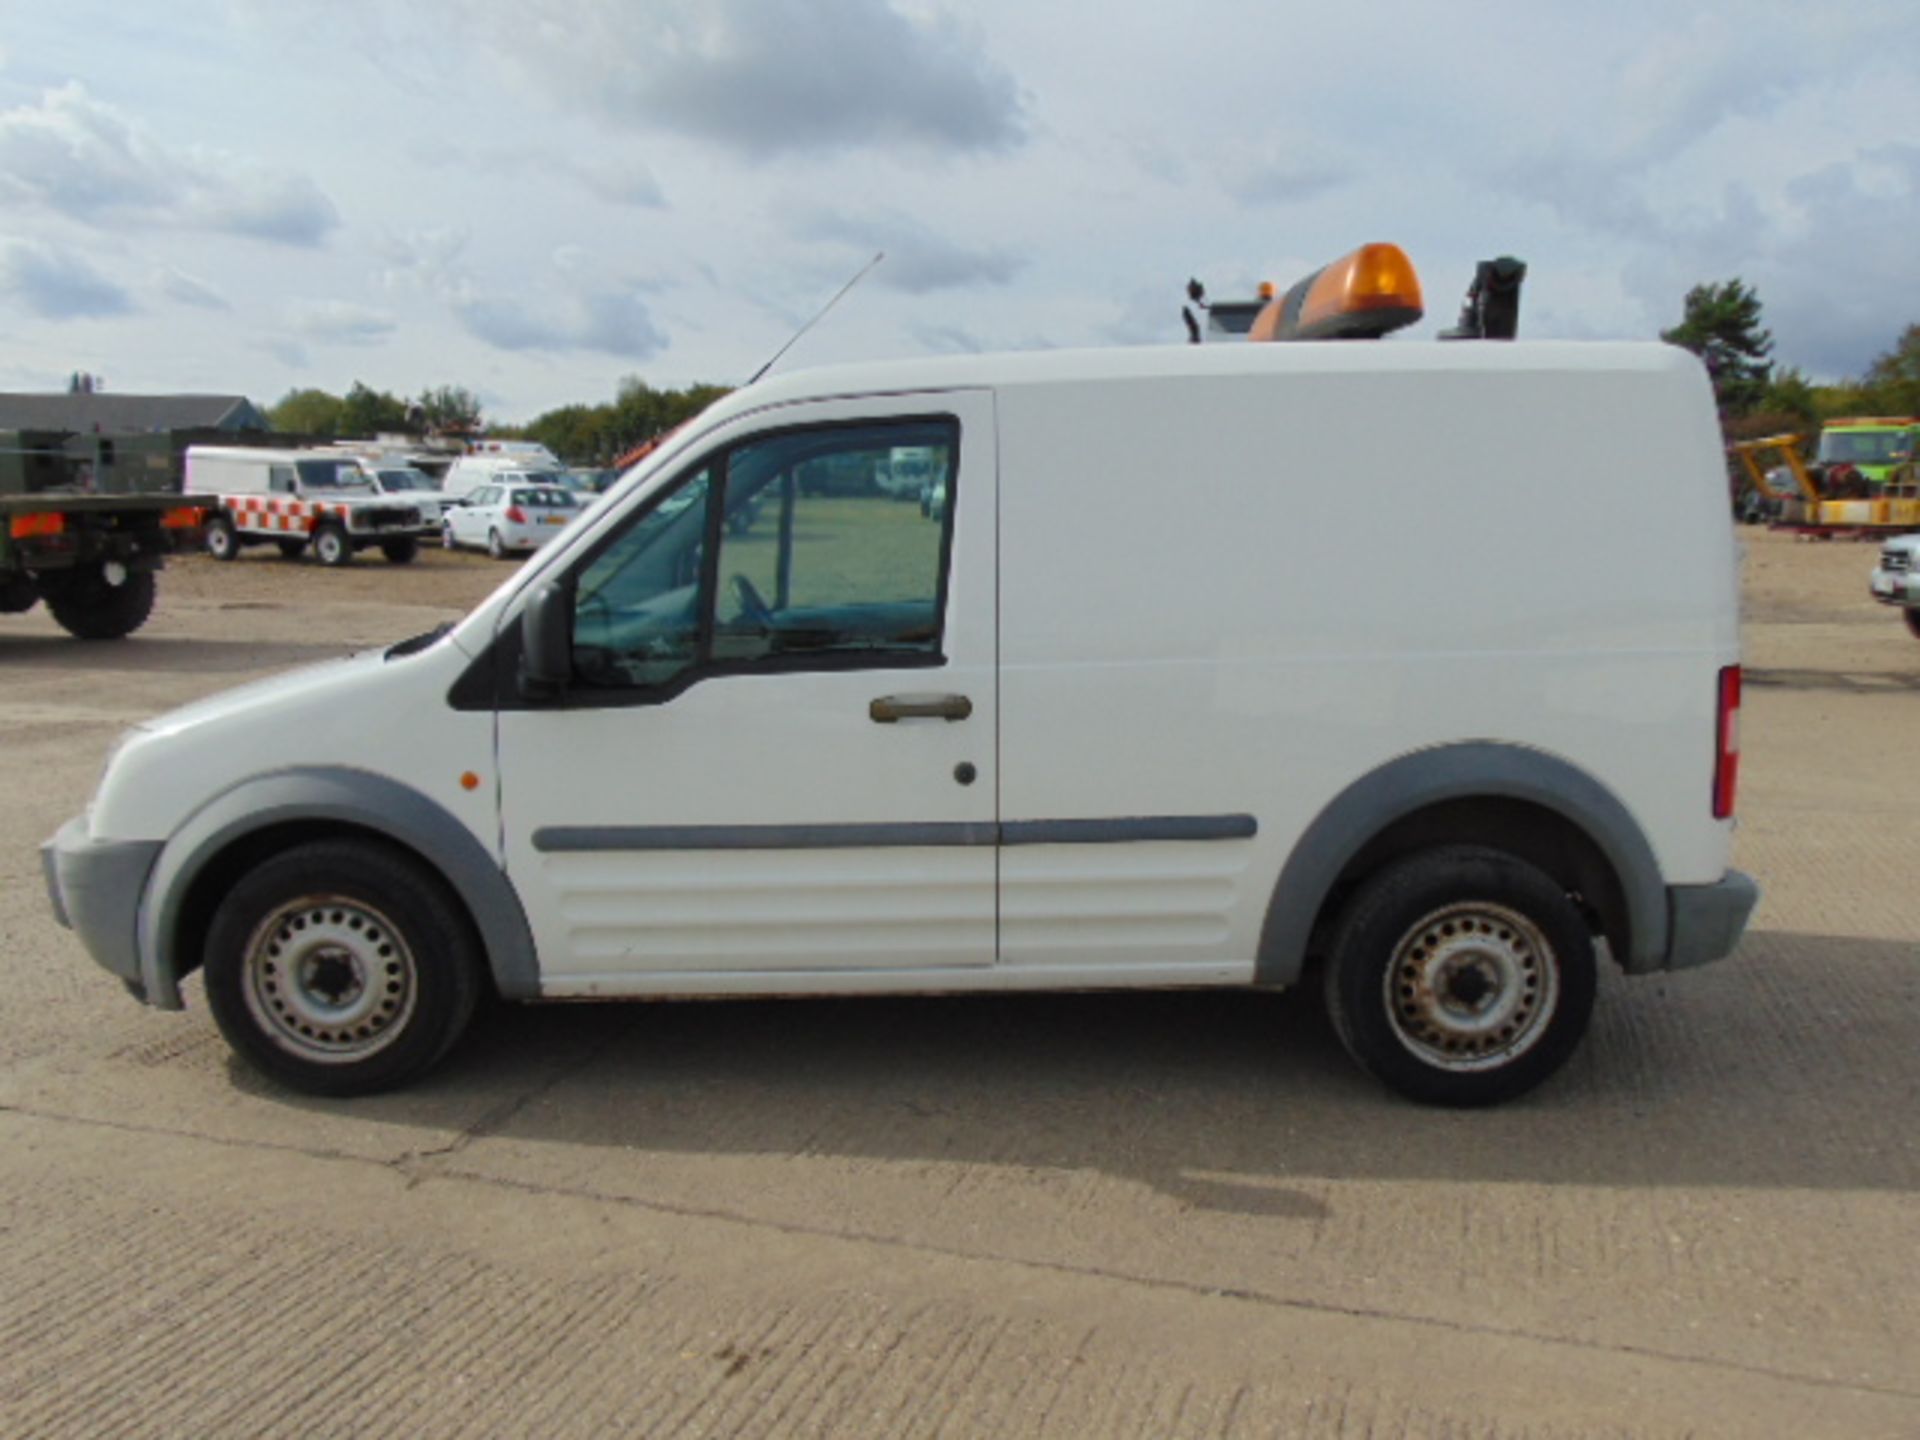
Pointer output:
x,y
546,642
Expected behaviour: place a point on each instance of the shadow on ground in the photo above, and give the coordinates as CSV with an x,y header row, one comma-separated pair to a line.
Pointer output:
x,y
1791,1065
157,654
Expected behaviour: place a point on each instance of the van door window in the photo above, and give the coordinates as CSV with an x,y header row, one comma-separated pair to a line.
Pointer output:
x,y
636,607
280,479
824,555
819,564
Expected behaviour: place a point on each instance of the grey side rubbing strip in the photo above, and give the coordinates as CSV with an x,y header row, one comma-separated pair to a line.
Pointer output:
x,y
1126,828
564,839
577,839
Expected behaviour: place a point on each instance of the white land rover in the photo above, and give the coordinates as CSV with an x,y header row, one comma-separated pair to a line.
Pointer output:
x,y
301,499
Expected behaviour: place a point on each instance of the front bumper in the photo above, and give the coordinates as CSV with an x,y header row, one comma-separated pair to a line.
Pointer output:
x,y
1895,587
1704,922
95,888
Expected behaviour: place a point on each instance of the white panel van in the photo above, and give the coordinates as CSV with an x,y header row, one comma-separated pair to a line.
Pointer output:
x,y
1409,667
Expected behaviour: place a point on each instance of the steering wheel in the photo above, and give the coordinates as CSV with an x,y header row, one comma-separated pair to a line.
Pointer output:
x,y
752,602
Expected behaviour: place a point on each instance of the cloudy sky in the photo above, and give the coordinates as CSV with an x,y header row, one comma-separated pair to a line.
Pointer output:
x,y
535,199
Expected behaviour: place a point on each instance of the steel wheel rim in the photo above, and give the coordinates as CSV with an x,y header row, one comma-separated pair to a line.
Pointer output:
x,y
328,547
218,541
1471,986
330,979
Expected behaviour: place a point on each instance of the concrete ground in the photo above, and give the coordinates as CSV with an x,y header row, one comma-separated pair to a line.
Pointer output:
x,y
1063,1215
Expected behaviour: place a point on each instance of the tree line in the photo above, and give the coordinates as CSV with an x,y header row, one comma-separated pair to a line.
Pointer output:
x,y
1721,323
578,434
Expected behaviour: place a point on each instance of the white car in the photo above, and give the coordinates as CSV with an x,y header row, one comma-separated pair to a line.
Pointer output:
x,y
509,518
1896,579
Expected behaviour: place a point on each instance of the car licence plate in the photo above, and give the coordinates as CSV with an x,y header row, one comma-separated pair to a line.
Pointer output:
x,y
553,519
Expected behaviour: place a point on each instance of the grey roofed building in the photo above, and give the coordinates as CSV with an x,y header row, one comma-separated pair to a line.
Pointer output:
x,y
106,414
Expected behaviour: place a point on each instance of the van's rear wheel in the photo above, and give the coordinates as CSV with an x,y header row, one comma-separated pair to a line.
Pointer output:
x,y
330,545
221,541
400,551
1461,976
1912,617
341,968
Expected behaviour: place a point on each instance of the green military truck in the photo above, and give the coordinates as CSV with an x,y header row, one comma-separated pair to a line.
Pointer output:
x,y
78,536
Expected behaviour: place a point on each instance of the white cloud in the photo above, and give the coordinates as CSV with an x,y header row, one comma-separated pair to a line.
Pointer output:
x,y
1290,177
180,286
77,157
57,284
612,319
918,259
620,183
770,77
338,322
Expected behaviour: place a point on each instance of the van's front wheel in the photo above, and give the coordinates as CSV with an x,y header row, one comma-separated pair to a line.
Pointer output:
x,y
1461,976
331,546
341,968
1912,617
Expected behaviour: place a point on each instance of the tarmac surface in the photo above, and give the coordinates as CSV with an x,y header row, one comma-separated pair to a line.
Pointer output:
x,y
1115,1215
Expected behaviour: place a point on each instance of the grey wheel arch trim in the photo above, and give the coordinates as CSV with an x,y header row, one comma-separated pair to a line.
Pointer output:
x,y
1473,770
352,797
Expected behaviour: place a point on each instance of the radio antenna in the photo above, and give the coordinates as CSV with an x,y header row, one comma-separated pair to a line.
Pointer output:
x,y
864,269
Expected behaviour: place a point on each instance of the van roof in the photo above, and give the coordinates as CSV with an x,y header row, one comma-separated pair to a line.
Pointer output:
x,y
1151,362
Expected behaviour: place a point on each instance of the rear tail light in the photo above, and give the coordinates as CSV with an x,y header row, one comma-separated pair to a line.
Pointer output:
x,y
37,526
516,515
1726,763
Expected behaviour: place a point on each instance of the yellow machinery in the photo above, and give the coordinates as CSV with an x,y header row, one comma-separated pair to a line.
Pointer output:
x,y
1806,508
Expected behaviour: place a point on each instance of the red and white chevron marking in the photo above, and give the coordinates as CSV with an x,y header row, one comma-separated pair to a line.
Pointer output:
x,y
279,516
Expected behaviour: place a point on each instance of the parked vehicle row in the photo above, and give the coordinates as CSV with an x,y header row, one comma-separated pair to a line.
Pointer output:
x,y
333,503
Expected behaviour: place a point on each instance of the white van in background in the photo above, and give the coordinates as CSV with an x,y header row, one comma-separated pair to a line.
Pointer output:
x,y
508,462
1418,662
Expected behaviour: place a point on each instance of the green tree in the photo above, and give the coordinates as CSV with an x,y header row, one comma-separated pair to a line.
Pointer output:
x,y
367,412
1721,324
306,412
1892,382
1789,392
597,434
450,409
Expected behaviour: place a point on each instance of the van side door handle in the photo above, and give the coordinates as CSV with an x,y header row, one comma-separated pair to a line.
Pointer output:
x,y
889,708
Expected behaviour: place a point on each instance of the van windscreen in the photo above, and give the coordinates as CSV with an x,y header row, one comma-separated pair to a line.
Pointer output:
x,y
331,475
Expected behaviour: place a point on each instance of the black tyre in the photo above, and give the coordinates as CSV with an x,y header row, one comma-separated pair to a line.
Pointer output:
x,y
1461,976
342,967
1912,618
292,549
222,541
446,535
495,546
331,546
18,594
400,551
107,602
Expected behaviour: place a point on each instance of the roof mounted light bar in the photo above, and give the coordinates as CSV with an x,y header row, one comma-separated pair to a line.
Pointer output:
x,y
1370,292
